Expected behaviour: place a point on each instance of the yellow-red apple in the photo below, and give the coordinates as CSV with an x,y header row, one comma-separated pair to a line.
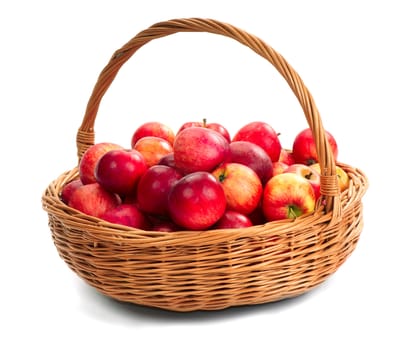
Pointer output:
x,y
287,196
342,176
309,174
279,167
153,128
242,186
153,148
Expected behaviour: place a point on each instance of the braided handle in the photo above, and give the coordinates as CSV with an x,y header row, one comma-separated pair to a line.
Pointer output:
x,y
85,135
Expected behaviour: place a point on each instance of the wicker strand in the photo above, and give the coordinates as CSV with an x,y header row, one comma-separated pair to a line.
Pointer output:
x,y
85,139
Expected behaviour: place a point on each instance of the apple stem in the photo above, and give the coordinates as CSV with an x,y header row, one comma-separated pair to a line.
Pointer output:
x,y
204,122
293,212
222,177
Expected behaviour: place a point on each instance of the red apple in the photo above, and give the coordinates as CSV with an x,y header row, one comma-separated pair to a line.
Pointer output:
x,y
286,156
279,167
90,158
199,149
154,187
69,188
304,149
153,128
242,186
287,196
196,201
93,199
153,148
120,170
253,156
127,215
233,219
309,174
214,126
263,135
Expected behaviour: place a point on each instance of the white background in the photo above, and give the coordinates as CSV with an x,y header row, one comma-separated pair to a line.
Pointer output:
x,y
359,60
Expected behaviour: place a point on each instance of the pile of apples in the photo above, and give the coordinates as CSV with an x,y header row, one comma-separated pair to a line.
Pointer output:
x,y
199,178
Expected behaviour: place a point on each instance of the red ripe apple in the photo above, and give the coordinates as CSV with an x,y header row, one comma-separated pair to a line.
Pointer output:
x,y
154,128
196,201
127,215
242,186
199,149
304,149
287,196
286,156
153,188
233,219
279,167
93,199
90,158
309,174
214,126
69,188
263,135
153,148
120,170
253,156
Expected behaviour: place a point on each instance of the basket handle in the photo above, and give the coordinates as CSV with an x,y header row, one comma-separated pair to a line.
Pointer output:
x,y
85,135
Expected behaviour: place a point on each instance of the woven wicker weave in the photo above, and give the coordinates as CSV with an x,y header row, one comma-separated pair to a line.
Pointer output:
x,y
209,270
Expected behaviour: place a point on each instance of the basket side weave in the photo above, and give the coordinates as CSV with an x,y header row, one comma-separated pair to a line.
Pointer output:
x,y
208,270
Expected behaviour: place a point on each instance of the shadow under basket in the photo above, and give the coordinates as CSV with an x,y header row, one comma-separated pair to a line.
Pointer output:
x,y
212,269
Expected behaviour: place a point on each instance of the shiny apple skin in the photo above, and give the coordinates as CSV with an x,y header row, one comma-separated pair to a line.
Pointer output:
x,y
199,149
196,201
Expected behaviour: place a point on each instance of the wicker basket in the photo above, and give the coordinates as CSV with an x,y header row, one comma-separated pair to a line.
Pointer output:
x,y
209,270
